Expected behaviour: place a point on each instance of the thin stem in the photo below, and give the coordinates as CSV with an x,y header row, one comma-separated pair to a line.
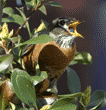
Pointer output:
x,y
36,8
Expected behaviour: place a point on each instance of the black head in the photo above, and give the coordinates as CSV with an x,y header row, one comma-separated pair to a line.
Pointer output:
x,y
61,22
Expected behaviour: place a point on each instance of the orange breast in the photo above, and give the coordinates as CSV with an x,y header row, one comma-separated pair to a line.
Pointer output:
x,y
51,58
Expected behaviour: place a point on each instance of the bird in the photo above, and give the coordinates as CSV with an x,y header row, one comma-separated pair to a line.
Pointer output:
x,y
53,56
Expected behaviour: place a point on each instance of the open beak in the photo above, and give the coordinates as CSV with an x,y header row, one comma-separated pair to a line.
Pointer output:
x,y
73,26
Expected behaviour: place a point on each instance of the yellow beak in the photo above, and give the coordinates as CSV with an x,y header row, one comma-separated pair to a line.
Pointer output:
x,y
73,26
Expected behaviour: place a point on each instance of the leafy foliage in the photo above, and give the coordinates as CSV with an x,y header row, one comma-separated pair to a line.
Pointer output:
x,y
24,84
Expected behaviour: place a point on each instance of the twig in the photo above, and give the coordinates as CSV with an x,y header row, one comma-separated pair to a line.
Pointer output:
x,y
36,8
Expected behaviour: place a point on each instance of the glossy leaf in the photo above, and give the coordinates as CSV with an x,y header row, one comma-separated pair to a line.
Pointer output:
x,y
45,23
43,9
41,27
37,79
53,3
8,10
14,39
23,109
24,17
30,3
41,0
65,104
38,40
23,87
27,109
70,95
14,18
73,81
97,97
5,61
27,90
83,58
85,99
98,106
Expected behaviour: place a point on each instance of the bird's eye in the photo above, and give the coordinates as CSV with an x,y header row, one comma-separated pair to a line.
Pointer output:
x,y
62,22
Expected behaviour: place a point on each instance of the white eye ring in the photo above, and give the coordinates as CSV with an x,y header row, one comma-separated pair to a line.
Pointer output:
x,y
65,26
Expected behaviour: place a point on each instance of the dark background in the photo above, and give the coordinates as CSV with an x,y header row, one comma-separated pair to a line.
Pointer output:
x,y
93,30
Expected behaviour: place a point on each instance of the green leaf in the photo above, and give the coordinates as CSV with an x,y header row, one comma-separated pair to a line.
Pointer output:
x,y
5,61
98,106
23,109
73,81
8,10
46,24
23,87
37,40
15,18
70,95
44,74
65,104
27,109
38,79
43,9
27,90
14,39
53,3
41,0
30,3
97,97
27,24
85,99
83,58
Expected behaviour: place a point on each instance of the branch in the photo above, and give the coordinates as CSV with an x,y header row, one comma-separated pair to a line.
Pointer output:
x,y
36,8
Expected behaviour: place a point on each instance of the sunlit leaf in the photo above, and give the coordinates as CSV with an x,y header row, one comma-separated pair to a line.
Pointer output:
x,y
24,17
85,99
83,58
43,9
40,78
5,61
53,3
12,106
15,18
38,40
65,104
8,10
30,3
70,95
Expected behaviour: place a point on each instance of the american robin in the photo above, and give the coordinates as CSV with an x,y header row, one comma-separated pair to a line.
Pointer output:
x,y
54,56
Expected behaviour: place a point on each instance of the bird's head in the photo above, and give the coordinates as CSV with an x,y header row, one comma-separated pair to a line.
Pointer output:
x,y
65,31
